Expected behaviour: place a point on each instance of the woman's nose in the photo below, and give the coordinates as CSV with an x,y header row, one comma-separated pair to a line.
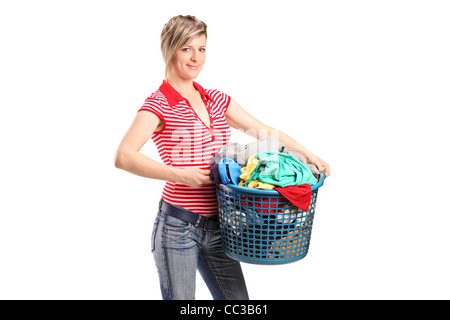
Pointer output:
x,y
193,56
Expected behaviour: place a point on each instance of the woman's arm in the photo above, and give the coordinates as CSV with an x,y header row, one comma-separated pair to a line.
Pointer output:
x,y
240,119
129,158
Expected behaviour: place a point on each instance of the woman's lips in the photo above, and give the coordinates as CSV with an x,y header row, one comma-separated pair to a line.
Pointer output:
x,y
192,67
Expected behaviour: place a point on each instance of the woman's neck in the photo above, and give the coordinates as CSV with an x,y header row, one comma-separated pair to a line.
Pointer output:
x,y
184,87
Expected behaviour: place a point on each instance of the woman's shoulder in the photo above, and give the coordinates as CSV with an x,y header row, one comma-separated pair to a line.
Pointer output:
x,y
156,101
214,91
216,95
220,100
157,96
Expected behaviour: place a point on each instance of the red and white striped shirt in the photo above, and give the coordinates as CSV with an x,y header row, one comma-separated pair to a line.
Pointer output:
x,y
185,141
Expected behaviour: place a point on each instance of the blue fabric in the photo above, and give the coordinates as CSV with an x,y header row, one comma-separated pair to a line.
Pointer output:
x,y
229,171
180,249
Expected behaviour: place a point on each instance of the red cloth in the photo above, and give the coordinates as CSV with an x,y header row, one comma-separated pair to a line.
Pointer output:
x,y
299,195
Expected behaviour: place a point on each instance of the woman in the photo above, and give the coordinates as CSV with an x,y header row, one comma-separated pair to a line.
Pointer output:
x,y
188,125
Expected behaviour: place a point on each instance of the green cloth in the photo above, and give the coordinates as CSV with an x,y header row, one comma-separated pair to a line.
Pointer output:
x,y
282,170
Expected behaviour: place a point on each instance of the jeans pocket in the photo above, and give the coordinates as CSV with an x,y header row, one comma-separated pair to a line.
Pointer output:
x,y
153,239
175,224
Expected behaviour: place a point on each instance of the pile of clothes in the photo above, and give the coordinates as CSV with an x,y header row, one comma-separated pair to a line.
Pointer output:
x,y
266,164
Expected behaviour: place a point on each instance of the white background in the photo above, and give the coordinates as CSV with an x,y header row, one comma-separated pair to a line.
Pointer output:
x,y
363,84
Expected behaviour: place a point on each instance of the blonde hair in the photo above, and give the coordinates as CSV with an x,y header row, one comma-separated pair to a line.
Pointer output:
x,y
176,32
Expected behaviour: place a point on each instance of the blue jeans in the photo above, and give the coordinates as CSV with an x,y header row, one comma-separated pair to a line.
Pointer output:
x,y
179,249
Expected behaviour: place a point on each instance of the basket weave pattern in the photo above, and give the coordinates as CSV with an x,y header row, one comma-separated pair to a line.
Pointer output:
x,y
263,228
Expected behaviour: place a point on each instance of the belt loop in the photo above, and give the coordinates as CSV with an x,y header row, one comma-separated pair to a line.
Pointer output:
x,y
160,204
198,221
205,225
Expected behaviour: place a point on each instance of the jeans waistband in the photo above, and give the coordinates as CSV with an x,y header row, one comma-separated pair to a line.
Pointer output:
x,y
207,224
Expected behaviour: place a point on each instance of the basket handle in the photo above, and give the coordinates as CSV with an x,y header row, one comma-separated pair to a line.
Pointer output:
x,y
320,182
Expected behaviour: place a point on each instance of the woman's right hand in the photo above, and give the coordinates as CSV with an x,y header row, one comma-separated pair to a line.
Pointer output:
x,y
194,177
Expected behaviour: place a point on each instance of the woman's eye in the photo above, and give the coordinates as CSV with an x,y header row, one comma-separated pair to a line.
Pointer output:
x,y
189,49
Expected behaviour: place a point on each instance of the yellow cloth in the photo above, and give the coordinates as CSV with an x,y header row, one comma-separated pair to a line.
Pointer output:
x,y
247,171
260,185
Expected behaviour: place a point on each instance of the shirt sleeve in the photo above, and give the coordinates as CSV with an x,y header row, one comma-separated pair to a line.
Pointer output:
x,y
227,100
152,104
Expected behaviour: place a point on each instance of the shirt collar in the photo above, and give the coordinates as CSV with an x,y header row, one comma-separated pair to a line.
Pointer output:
x,y
174,97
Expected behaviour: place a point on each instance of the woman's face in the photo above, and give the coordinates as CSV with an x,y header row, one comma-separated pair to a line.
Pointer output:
x,y
189,59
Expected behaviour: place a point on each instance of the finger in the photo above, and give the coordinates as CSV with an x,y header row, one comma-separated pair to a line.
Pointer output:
x,y
326,169
320,166
205,180
205,172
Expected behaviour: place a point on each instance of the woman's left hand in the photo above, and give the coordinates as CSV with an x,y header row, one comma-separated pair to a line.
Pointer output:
x,y
320,164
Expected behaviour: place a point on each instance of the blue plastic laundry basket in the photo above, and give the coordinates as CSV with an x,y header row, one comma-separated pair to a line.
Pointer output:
x,y
263,227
